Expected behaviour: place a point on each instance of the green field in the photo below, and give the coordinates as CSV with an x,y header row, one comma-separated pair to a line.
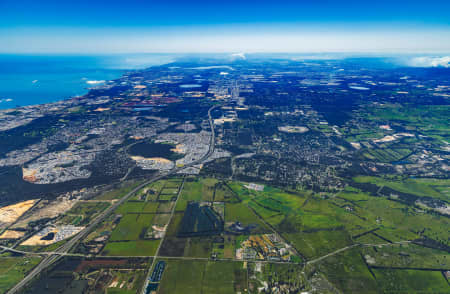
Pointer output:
x,y
85,211
132,227
128,237
408,256
137,207
387,154
198,189
240,212
410,281
119,192
421,187
131,248
316,244
348,272
198,247
189,277
14,269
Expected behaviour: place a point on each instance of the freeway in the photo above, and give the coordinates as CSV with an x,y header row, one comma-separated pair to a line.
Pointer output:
x,y
50,259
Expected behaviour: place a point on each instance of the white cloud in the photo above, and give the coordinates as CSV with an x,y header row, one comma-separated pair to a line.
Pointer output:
x,y
427,61
94,82
240,55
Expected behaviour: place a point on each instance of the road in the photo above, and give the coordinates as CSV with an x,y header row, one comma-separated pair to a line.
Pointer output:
x,y
217,259
49,260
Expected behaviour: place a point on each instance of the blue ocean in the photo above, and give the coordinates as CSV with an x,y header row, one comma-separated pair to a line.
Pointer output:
x,y
29,80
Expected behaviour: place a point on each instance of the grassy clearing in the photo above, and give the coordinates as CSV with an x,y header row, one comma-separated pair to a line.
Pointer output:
x,y
419,187
130,207
410,281
198,247
224,194
198,189
161,219
348,272
14,269
119,192
317,244
396,221
87,210
240,212
224,278
132,227
131,248
165,207
407,255
387,154
137,207
188,277
182,277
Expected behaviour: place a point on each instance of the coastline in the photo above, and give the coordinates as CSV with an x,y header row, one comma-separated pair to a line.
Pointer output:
x,y
28,80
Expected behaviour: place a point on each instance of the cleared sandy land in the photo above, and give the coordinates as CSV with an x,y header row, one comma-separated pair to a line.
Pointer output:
x,y
180,148
221,121
156,159
60,233
47,210
385,139
10,234
293,129
101,109
356,145
29,175
36,240
153,163
9,214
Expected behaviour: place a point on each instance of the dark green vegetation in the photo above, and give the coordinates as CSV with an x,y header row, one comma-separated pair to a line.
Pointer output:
x,y
149,150
200,220
28,134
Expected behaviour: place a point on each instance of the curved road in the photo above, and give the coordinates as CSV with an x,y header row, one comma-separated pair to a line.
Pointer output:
x,y
49,260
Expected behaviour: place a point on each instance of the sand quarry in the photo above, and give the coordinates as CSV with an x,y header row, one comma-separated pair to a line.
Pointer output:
x,y
9,214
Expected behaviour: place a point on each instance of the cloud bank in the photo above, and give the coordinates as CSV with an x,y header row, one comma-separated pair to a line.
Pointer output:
x,y
428,61
251,38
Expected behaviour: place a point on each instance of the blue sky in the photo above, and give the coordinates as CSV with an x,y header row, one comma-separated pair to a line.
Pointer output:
x,y
224,26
